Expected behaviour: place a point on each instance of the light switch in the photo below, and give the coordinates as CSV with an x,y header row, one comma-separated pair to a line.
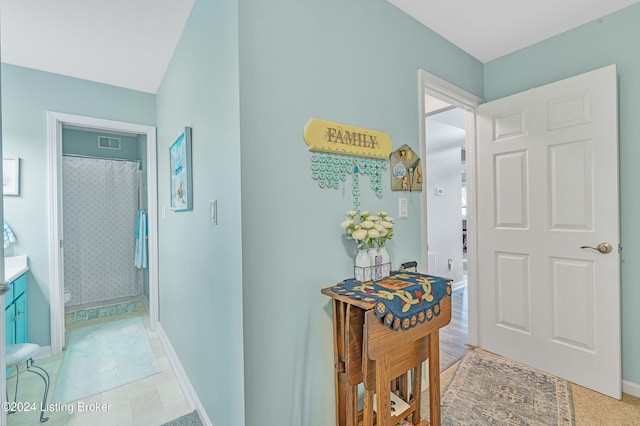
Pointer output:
x,y
403,208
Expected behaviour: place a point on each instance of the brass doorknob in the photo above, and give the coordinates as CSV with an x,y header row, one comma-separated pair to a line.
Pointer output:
x,y
604,248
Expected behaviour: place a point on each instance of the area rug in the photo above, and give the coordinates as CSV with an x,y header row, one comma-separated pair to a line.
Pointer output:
x,y
191,419
102,357
105,311
490,390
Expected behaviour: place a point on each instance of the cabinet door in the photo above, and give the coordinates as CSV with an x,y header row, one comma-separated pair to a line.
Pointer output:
x,y
19,286
21,319
10,328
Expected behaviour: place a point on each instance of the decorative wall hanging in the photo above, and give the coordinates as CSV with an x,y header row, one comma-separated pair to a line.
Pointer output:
x,y
327,136
181,173
341,150
406,170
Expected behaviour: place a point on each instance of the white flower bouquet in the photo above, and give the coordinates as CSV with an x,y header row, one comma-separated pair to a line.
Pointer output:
x,y
370,230
367,229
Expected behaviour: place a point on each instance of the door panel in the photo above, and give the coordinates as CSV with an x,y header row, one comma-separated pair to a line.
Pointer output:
x,y
574,303
548,185
511,188
571,181
513,291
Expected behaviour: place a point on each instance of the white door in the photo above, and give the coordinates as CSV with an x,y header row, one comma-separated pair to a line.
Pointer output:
x,y
548,186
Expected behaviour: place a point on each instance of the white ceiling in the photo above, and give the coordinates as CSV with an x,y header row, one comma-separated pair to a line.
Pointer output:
x,y
126,43
489,29
129,43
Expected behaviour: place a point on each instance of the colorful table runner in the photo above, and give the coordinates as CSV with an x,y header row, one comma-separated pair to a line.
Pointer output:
x,y
403,299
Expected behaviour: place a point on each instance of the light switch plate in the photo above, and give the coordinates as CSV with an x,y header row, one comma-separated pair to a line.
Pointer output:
x,y
403,208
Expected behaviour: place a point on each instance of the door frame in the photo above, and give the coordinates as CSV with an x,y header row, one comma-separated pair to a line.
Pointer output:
x,y
3,347
445,91
55,121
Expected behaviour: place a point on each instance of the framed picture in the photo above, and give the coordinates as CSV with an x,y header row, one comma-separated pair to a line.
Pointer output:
x,y
181,173
11,176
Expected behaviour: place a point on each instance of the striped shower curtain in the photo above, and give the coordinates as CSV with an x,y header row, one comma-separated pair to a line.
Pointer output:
x,y
100,200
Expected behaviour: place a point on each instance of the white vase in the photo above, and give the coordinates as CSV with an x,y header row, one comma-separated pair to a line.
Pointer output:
x,y
362,266
386,261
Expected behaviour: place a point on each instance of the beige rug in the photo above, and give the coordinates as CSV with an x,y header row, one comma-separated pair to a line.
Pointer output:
x,y
590,408
490,390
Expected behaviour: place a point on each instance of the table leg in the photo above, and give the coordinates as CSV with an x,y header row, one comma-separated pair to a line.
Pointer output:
x,y
403,386
383,391
434,378
367,415
416,390
341,380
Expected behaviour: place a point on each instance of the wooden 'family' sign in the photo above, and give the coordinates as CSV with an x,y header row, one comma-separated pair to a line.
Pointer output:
x,y
336,138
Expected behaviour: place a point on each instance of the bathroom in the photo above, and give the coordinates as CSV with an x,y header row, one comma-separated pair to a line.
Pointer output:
x,y
103,187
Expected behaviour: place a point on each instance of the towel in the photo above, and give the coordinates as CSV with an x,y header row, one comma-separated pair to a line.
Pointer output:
x,y
141,233
9,236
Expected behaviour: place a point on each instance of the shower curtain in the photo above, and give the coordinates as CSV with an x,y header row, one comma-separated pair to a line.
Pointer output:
x,y
100,201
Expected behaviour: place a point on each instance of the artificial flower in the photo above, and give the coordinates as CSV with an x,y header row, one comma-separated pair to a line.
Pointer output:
x,y
367,224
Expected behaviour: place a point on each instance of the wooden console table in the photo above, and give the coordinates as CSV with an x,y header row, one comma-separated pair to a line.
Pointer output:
x,y
369,352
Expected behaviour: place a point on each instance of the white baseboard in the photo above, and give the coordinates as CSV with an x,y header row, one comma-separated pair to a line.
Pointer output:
x,y
630,388
183,379
45,352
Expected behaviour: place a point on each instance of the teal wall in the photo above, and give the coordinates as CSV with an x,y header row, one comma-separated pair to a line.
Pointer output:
x,y
353,62
610,40
201,263
27,95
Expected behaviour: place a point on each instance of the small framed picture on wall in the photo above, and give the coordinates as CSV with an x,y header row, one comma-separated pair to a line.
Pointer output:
x,y
181,173
11,176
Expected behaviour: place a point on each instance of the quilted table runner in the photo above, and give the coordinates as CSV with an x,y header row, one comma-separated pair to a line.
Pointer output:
x,y
403,300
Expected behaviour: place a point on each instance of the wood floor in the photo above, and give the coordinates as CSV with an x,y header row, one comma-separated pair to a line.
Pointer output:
x,y
454,337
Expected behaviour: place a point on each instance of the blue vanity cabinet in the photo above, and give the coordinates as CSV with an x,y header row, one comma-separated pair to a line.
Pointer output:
x,y
15,311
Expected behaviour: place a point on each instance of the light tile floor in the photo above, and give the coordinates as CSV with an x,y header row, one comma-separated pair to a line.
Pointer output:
x,y
150,401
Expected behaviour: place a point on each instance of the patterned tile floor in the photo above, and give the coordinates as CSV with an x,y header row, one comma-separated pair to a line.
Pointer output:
x,y
151,401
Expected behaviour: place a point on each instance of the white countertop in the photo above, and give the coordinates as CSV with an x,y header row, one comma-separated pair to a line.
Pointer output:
x,y
14,266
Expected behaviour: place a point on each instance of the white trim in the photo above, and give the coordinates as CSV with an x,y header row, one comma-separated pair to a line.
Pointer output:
x,y
448,92
55,121
631,388
472,228
56,290
187,388
443,90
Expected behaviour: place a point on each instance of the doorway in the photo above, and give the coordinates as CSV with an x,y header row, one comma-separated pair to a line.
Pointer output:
x,y
56,122
445,173
456,110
